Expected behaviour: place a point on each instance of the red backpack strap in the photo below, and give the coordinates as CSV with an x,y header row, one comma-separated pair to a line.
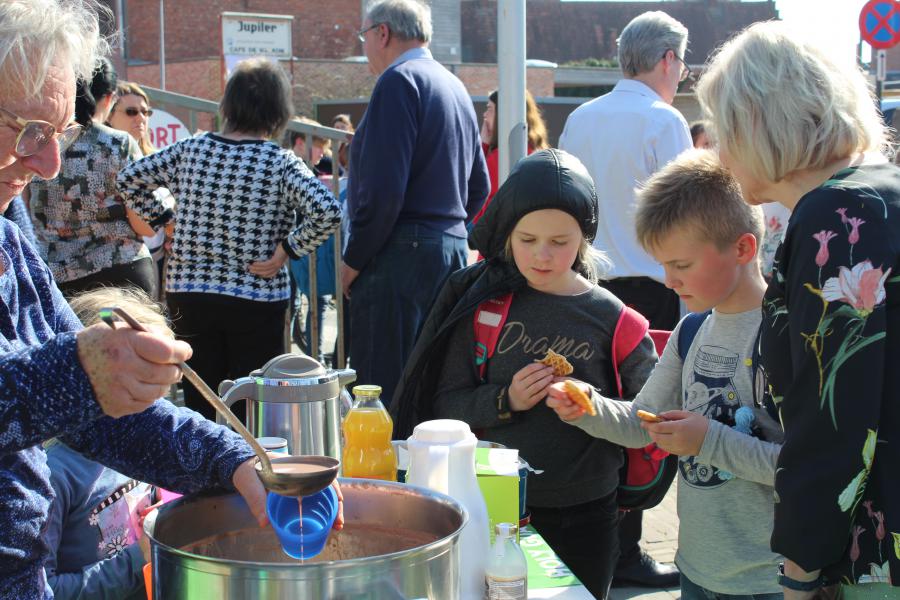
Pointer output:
x,y
630,330
489,319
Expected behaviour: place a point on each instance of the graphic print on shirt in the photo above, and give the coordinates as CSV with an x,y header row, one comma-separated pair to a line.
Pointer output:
x,y
712,393
515,337
114,517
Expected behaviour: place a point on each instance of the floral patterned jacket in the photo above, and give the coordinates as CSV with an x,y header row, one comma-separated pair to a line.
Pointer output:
x,y
831,351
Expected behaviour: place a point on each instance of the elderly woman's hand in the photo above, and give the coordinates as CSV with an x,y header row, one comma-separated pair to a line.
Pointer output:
x,y
270,268
248,485
129,369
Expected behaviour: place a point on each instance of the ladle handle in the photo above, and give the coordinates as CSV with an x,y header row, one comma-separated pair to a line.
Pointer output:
x,y
106,314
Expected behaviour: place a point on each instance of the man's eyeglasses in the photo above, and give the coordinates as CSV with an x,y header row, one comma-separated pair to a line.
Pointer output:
x,y
34,135
132,111
361,34
685,69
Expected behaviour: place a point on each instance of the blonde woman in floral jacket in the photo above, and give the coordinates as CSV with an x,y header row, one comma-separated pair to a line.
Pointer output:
x,y
797,128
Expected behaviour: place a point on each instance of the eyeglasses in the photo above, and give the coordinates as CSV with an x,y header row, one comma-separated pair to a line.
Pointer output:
x,y
685,69
34,135
361,34
131,111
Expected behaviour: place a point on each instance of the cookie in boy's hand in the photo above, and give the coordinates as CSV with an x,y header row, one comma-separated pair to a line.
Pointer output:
x,y
561,367
580,398
644,415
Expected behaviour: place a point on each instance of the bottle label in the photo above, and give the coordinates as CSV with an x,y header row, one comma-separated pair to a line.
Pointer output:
x,y
501,588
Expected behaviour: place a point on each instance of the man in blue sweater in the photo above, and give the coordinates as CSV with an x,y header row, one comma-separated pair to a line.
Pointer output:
x,y
418,177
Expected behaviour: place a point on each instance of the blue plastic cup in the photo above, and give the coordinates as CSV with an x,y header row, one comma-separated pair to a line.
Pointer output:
x,y
319,512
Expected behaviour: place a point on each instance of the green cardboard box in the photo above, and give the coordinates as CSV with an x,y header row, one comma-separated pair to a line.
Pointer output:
x,y
497,471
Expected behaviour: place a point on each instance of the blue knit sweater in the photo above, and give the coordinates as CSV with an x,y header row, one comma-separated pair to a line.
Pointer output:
x,y
416,157
44,392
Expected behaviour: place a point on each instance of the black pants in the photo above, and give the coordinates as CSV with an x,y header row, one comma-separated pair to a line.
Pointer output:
x,y
660,306
138,273
230,337
585,539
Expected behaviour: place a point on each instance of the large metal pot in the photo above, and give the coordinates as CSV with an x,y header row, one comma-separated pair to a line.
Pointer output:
x,y
399,542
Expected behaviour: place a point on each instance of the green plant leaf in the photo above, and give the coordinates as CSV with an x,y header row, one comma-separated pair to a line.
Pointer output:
x,y
896,537
868,452
848,497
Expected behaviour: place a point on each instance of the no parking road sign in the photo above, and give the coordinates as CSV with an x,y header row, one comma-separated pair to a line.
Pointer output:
x,y
879,23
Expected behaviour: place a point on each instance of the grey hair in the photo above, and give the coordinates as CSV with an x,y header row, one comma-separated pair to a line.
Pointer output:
x,y
647,38
35,34
407,19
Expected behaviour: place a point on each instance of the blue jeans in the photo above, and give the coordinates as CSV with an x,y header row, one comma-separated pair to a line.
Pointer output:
x,y
692,591
391,298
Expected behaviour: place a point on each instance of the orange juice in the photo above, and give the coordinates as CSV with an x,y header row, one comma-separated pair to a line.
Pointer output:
x,y
367,437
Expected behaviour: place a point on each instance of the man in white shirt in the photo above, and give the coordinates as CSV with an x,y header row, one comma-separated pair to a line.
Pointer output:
x,y
622,138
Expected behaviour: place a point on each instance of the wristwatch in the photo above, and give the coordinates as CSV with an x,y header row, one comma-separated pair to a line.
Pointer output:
x,y
799,586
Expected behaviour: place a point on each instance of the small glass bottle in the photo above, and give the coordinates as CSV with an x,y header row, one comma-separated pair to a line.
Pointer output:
x,y
506,573
368,451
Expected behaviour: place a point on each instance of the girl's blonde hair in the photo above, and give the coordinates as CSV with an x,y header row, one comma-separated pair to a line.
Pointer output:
x,y
779,105
135,301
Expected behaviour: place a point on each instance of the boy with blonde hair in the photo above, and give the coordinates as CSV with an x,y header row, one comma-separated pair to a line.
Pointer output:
x,y
693,220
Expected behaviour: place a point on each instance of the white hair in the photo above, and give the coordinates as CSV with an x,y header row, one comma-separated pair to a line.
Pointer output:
x,y
778,104
647,38
35,34
407,19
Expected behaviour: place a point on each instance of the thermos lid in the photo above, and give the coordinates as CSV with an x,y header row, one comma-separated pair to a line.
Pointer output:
x,y
290,366
367,391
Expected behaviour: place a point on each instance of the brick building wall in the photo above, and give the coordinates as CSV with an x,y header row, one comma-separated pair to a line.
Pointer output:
x,y
315,80
192,29
566,31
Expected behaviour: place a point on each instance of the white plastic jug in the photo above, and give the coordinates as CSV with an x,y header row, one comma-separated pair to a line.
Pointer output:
x,y
442,458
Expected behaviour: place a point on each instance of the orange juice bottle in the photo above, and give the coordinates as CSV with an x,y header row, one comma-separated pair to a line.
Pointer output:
x,y
367,437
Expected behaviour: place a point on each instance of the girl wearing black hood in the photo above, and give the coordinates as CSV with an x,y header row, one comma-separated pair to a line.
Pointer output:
x,y
536,238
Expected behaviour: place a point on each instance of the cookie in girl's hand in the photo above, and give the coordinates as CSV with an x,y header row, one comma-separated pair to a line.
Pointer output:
x,y
561,367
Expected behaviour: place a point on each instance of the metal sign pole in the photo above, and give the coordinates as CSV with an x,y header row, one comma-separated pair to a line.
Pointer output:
x,y
512,133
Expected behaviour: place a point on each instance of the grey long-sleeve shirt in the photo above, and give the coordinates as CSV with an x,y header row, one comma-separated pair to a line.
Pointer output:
x,y
725,494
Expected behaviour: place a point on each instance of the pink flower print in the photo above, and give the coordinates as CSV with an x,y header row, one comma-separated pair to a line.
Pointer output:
x,y
774,225
854,547
862,287
823,237
843,213
854,232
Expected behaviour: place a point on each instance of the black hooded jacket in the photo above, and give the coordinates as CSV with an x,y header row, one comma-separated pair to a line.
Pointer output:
x,y
549,179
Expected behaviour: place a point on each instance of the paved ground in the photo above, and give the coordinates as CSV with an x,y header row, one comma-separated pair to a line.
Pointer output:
x,y
660,524
660,540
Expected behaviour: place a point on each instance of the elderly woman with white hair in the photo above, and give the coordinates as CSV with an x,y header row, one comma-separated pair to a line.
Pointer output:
x,y
797,128
57,379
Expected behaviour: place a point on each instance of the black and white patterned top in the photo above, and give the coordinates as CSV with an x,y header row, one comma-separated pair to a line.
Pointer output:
x,y
235,200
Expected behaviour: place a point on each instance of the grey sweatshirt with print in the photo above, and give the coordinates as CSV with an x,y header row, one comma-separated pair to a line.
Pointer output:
x,y
725,494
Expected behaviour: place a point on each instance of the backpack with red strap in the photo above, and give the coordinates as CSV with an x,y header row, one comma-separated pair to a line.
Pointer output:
x,y
647,473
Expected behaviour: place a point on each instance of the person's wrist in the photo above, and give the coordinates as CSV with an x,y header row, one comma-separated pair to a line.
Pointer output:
x,y
504,409
808,583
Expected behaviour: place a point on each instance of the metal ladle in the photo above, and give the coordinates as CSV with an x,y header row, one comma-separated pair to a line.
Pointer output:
x,y
286,484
